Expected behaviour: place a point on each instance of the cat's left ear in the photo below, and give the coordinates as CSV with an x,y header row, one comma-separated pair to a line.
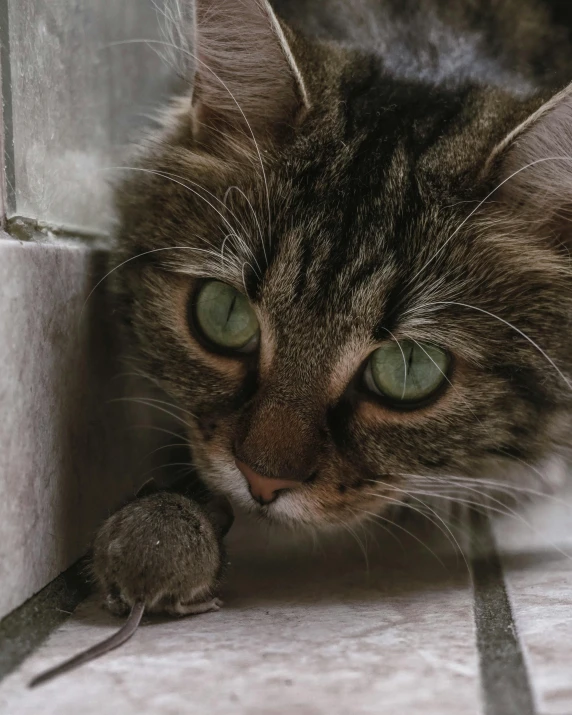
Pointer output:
x,y
533,164
247,80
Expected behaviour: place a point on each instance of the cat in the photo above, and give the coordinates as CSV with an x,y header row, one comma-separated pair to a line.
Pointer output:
x,y
345,257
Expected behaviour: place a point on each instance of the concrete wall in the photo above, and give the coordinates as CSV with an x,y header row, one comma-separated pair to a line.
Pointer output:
x,y
71,100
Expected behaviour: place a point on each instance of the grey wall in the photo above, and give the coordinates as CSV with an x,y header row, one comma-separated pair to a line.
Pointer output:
x,y
76,97
69,453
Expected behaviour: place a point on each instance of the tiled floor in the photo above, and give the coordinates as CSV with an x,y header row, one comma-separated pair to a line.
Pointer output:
x,y
538,573
316,630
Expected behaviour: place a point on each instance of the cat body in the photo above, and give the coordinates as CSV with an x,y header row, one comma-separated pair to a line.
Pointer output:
x,y
355,195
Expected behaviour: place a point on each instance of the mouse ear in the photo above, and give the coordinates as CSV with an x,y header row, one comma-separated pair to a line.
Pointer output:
x,y
246,78
533,166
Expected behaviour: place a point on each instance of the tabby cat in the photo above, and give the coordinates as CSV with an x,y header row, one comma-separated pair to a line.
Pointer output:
x,y
345,257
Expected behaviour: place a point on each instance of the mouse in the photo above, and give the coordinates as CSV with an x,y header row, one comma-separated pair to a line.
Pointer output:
x,y
162,553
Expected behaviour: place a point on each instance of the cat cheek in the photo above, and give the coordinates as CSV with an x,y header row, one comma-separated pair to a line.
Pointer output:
x,y
215,434
341,492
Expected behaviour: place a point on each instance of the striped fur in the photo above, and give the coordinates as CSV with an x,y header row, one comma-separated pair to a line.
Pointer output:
x,y
353,200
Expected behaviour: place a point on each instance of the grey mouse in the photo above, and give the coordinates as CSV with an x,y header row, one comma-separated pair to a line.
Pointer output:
x,y
162,553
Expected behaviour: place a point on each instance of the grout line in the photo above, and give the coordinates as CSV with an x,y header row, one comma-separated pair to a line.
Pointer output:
x,y
504,676
7,160
26,628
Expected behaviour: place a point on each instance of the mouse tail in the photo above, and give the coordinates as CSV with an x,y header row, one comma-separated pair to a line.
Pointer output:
x,y
114,641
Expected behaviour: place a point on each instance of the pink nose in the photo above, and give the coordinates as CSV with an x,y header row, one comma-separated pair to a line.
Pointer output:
x,y
264,489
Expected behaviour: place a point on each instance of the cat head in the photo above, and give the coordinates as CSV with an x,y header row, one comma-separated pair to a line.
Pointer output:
x,y
356,288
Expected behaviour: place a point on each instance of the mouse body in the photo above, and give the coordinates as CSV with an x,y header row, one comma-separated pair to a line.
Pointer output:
x,y
162,553
164,550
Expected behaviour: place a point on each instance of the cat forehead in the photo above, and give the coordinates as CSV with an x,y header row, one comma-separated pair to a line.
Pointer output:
x,y
321,279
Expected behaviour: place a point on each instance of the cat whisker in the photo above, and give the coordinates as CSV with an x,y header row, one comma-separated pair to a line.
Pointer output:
x,y
442,526
222,202
167,404
505,322
223,259
173,29
480,204
246,249
461,500
481,504
160,449
157,429
504,509
453,486
174,178
404,361
198,60
226,238
160,467
137,373
383,526
402,528
237,188
140,255
510,489
363,549
244,278
146,403
511,513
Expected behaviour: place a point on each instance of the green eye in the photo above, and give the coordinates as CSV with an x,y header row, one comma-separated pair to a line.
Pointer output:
x,y
226,317
407,371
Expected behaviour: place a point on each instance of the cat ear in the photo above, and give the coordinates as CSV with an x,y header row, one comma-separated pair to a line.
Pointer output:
x,y
534,163
246,76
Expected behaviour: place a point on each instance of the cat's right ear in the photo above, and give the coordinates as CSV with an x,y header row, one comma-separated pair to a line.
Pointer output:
x,y
532,167
247,80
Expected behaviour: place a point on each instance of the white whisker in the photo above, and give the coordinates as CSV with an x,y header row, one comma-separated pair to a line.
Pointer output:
x,y
173,178
140,255
478,206
236,188
156,429
383,526
505,322
445,529
147,403
404,361
219,79
363,549
402,528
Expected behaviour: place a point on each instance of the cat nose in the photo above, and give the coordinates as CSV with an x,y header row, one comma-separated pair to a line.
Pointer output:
x,y
264,489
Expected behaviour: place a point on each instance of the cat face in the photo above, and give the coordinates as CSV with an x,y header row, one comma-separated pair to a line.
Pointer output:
x,y
315,277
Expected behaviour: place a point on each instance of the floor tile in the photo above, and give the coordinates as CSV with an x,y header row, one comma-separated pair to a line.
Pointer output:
x,y
537,558
301,632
